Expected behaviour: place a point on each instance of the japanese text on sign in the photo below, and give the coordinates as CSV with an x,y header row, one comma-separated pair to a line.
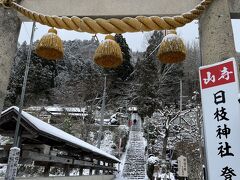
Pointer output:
x,y
219,91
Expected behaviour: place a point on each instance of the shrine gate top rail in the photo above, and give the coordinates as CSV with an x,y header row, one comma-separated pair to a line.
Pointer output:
x,y
114,8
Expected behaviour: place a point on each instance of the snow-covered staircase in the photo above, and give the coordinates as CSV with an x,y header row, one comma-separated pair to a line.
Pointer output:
x,y
134,167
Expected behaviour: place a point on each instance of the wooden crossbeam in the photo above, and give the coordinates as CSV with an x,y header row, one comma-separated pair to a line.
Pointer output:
x,y
116,8
45,159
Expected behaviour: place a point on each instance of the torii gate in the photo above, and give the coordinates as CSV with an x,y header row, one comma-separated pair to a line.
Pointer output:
x,y
216,35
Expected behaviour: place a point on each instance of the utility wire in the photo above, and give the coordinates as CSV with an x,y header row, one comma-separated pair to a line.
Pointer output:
x,y
26,30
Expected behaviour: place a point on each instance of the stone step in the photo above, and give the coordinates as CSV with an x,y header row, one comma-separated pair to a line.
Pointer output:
x,y
134,166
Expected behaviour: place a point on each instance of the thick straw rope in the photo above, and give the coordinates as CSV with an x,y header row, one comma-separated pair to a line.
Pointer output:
x,y
113,25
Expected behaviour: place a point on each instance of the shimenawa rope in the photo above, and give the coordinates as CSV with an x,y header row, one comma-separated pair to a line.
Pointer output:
x,y
114,25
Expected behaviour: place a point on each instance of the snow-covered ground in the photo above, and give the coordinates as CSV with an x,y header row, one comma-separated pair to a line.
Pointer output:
x,y
107,142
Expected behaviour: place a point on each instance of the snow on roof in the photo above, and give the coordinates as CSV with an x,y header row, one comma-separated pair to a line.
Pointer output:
x,y
34,108
70,114
62,109
53,108
133,108
74,109
57,109
78,114
47,128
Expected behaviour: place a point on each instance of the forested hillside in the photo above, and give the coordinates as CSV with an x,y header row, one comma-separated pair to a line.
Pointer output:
x,y
75,80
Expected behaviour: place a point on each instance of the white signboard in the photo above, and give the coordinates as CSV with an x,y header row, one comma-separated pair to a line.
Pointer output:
x,y
182,166
219,92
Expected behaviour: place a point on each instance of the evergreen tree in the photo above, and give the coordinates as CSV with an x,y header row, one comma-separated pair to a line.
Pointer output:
x,y
147,98
169,86
75,80
16,76
118,78
124,70
40,77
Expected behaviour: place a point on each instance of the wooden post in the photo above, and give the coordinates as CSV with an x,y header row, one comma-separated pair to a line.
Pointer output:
x,y
80,171
67,170
103,169
110,165
90,171
81,168
216,35
46,170
9,31
97,170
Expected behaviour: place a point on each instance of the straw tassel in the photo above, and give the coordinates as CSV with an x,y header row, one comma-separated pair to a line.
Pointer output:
x,y
172,49
50,46
108,54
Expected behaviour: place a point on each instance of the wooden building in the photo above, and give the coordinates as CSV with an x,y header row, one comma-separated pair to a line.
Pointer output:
x,y
48,146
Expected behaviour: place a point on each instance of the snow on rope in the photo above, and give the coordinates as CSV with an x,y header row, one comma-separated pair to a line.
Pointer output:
x,y
113,25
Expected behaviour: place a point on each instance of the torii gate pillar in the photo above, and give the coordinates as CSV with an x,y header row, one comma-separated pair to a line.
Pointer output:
x,y
9,31
216,34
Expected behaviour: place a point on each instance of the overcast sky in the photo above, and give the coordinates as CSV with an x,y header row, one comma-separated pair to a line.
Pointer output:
x,y
136,41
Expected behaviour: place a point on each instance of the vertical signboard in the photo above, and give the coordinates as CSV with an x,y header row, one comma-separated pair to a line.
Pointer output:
x,y
219,93
13,159
182,166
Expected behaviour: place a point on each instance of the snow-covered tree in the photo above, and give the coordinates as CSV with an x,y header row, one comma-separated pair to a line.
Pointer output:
x,y
126,68
147,99
169,128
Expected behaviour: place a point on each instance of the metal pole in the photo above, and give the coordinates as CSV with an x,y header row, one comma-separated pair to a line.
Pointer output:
x,y
102,112
16,136
180,107
181,95
200,140
205,158
14,153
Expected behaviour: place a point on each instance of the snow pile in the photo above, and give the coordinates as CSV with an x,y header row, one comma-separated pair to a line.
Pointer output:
x,y
152,160
167,176
113,121
107,142
3,169
123,129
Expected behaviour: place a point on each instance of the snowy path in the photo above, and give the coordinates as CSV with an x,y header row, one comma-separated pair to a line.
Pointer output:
x,y
134,167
